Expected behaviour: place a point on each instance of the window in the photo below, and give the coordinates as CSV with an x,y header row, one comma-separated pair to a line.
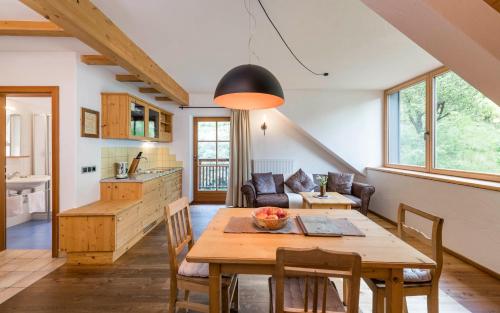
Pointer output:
x,y
439,123
407,125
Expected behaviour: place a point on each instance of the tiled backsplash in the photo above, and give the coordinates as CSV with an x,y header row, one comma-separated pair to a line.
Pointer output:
x,y
156,157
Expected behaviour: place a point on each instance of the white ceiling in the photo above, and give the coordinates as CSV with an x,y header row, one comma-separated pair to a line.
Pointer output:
x,y
197,41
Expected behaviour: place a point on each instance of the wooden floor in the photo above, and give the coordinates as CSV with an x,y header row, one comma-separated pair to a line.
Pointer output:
x,y
138,282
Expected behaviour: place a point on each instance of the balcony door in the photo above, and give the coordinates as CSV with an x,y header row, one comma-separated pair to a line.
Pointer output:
x,y
211,159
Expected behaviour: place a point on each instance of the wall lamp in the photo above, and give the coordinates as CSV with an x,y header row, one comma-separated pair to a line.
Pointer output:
x,y
263,127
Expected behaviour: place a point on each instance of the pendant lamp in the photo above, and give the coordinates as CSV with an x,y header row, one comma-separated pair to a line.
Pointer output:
x,y
252,87
249,87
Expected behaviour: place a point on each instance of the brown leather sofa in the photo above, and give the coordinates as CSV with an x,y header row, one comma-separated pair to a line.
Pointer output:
x,y
360,194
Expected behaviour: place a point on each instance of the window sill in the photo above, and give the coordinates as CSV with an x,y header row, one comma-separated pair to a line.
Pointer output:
x,y
476,183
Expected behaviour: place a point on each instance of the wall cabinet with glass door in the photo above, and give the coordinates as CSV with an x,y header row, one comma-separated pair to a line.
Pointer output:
x,y
127,117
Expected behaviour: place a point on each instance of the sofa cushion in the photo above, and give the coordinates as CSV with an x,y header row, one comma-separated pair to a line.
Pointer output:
x,y
279,182
264,183
300,182
274,199
355,199
340,182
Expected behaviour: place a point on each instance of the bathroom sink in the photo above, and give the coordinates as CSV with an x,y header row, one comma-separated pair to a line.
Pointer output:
x,y
26,182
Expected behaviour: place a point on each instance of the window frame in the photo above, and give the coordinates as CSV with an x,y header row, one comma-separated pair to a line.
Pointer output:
x,y
429,166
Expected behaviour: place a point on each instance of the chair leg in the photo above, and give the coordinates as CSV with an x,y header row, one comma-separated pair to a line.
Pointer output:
x,y
378,301
186,298
433,301
345,291
236,298
173,296
226,305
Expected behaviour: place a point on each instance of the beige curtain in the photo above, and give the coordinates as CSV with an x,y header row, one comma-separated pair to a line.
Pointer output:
x,y
240,162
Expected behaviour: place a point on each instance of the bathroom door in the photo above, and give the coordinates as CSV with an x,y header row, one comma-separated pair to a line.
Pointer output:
x,y
3,211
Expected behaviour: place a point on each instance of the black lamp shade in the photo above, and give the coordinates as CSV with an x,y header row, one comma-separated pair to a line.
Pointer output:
x,y
249,87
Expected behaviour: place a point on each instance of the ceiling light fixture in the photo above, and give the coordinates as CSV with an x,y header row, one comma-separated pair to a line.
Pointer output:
x,y
252,87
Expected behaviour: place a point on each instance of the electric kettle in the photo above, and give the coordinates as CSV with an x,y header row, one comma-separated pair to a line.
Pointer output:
x,y
121,170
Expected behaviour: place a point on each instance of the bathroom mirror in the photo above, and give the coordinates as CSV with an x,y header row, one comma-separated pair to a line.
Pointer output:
x,y
13,135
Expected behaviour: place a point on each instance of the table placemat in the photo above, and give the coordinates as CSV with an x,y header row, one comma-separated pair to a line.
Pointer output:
x,y
327,226
239,225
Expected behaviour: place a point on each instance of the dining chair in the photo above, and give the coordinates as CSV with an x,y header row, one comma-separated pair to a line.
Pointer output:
x,y
188,276
417,282
301,282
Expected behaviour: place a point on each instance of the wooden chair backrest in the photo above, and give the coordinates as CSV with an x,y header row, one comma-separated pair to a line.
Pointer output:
x,y
436,239
317,265
179,230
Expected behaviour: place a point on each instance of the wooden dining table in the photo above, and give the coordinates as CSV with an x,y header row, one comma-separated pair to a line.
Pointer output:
x,y
384,256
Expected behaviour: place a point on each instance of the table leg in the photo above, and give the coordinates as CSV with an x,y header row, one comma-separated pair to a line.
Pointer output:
x,y
214,286
394,292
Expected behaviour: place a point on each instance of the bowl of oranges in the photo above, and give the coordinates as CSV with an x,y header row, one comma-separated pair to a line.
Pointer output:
x,y
270,218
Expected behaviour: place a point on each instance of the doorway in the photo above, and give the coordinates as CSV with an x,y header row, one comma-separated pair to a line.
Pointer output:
x,y
29,192
211,159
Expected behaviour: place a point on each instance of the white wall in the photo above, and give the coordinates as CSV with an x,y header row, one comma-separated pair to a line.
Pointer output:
x,y
51,69
80,85
284,140
91,82
347,122
471,215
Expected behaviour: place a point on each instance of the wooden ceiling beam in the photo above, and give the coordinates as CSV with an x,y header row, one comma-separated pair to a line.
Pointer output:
x,y
148,90
90,59
85,21
127,78
163,99
31,28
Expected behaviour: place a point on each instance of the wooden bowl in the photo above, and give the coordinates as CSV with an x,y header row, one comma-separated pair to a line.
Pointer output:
x,y
270,223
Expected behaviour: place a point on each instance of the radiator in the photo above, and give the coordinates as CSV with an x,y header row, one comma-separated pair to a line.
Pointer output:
x,y
276,166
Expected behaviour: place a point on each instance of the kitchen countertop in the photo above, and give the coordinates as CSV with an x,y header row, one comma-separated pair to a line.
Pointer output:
x,y
101,208
141,178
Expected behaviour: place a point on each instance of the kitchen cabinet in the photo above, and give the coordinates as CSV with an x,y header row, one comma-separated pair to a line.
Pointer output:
x,y
101,232
127,117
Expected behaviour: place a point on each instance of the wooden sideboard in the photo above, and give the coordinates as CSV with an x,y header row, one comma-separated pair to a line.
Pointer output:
x,y
99,233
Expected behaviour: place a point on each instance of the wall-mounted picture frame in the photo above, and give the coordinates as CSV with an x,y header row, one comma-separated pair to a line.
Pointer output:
x,y
89,123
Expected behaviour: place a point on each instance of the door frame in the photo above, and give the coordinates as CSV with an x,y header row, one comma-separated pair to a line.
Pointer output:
x,y
215,197
33,91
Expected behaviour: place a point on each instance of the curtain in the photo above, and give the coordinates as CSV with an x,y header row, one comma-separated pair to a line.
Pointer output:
x,y
240,157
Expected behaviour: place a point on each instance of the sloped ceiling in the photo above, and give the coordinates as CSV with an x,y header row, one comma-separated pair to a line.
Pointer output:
x,y
197,41
462,34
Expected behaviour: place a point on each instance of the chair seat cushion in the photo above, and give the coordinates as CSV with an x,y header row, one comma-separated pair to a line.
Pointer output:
x,y
413,277
190,269
294,294
416,275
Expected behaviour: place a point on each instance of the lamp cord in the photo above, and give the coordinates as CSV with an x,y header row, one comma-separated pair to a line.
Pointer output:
x,y
252,22
288,47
